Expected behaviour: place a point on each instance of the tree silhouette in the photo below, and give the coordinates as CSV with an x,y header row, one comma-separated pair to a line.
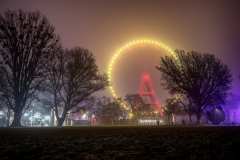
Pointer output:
x,y
139,108
202,78
72,80
53,82
109,110
171,107
26,39
177,104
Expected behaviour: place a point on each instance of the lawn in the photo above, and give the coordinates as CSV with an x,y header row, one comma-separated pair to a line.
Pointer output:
x,y
120,143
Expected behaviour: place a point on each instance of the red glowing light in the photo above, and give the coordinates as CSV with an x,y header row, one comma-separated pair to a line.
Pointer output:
x,y
146,90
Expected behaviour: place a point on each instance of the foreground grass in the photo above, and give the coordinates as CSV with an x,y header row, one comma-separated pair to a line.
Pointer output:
x,y
110,143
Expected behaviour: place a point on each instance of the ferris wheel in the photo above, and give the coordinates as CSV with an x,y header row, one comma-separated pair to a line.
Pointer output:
x,y
145,88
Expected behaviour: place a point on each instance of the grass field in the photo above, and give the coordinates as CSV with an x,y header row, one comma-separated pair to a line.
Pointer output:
x,y
120,143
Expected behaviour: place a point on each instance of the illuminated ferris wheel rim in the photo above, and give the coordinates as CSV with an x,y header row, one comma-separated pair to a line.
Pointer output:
x,y
121,50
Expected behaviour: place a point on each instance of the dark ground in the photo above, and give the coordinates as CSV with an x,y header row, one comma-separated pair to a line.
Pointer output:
x,y
125,143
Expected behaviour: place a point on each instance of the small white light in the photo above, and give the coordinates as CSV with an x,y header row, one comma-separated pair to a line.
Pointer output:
x,y
1,113
84,116
37,115
160,121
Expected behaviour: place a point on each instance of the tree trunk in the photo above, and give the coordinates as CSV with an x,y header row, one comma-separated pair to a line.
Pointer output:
x,y
190,117
52,119
170,119
198,118
173,122
17,119
8,117
60,121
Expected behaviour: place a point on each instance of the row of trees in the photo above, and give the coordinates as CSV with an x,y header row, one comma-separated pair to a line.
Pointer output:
x,y
35,67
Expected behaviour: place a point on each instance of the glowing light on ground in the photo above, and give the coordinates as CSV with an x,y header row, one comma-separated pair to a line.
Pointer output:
x,y
121,51
149,121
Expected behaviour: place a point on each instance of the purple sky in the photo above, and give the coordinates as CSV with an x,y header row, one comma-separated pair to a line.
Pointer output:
x,y
104,25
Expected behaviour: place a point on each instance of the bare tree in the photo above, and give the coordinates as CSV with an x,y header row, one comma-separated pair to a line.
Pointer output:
x,y
184,104
26,39
202,78
73,79
53,82
169,109
174,105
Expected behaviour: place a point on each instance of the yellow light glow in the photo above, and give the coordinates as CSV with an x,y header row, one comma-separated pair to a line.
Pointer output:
x,y
121,51
130,115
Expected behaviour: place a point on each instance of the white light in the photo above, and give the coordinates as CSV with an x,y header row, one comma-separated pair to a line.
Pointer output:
x,y
25,114
84,116
147,121
47,118
37,115
1,113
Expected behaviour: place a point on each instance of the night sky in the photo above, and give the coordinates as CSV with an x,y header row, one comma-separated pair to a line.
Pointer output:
x,y
103,26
